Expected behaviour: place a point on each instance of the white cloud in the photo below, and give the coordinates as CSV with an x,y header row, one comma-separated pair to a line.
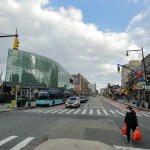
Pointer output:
x,y
62,35
138,18
139,30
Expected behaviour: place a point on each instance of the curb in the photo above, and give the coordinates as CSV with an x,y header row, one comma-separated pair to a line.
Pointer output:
x,y
135,106
17,109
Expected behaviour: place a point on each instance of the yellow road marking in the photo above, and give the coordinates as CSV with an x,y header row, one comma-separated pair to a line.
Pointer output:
x,y
100,104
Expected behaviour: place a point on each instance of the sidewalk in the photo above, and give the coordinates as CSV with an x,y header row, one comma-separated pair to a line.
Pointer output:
x,y
72,144
131,103
6,108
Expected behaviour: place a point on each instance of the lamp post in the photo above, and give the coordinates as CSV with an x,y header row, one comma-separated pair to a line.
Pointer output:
x,y
144,67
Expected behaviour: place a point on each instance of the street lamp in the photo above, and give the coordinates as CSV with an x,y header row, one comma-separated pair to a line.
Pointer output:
x,y
143,60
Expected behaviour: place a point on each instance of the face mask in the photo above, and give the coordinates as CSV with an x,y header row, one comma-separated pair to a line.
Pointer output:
x,y
128,110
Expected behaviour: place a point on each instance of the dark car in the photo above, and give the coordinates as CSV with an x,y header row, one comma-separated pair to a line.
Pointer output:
x,y
82,99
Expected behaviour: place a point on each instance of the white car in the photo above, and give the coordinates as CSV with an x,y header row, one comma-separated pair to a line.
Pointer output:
x,y
72,102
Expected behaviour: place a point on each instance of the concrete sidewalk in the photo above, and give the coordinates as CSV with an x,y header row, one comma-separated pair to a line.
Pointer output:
x,y
6,108
72,144
134,104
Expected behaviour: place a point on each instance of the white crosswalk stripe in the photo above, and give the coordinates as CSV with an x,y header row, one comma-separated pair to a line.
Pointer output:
x,y
19,146
138,114
38,111
23,143
84,111
76,111
49,111
112,112
98,112
144,114
69,111
7,139
56,111
105,112
63,111
120,113
91,111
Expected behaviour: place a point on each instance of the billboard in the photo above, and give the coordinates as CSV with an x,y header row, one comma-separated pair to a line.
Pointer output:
x,y
76,80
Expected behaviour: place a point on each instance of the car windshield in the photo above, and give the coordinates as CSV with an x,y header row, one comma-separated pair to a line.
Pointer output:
x,y
72,98
82,97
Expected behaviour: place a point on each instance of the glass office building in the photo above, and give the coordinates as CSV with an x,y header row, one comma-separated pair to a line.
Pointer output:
x,y
29,69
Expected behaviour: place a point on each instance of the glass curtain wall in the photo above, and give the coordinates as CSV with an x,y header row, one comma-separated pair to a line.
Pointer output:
x,y
25,68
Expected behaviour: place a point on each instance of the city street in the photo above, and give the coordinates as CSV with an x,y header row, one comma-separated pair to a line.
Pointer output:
x,y
99,119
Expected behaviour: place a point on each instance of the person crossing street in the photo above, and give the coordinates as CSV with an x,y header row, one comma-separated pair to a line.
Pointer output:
x,y
131,121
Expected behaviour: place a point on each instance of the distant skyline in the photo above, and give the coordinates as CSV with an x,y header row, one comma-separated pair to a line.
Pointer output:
x,y
84,36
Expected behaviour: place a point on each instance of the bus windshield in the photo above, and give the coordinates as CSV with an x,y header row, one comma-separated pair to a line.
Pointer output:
x,y
43,96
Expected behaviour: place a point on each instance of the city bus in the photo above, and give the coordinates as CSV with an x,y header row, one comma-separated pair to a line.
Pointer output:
x,y
50,98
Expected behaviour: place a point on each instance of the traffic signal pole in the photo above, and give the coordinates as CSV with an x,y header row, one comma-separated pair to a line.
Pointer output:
x,y
9,35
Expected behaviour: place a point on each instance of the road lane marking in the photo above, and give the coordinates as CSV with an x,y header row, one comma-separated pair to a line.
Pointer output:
x,y
87,104
63,111
138,114
69,111
56,111
76,111
127,148
22,144
105,112
84,111
7,139
38,111
120,113
101,104
144,114
112,112
50,111
91,111
31,111
98,112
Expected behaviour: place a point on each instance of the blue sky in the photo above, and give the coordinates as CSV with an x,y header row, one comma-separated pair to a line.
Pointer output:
x,y
113,15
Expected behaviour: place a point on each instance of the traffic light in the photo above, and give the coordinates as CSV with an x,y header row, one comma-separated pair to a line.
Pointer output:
x,y
118,68
16,43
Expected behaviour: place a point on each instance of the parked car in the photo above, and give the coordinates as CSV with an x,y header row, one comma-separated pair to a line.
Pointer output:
x,y
72,102
82,99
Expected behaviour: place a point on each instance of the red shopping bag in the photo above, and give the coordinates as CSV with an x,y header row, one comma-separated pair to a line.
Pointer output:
x,y
137,136
124,129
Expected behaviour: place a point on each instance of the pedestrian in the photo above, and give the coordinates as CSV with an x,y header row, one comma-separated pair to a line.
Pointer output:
x,y
131,121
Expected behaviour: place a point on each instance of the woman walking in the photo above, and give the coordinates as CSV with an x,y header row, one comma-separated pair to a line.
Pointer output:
x,y
131,121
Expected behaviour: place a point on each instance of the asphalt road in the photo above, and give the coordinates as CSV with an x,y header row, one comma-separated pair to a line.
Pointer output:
x,y
96,120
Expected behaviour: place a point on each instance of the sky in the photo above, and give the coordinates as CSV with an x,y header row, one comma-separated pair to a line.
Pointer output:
x,y
84,36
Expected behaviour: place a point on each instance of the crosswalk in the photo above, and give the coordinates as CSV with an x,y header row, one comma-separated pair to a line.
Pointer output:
x,y
85,111
19,145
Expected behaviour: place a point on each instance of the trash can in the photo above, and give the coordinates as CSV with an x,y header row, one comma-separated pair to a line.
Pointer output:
x,y
21,102
29,103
